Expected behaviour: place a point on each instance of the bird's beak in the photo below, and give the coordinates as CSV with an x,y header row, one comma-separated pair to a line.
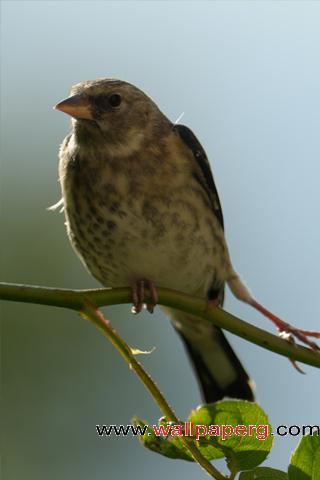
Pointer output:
x,y
78,106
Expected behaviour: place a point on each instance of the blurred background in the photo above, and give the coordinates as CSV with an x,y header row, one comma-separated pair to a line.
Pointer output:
x,y
246,75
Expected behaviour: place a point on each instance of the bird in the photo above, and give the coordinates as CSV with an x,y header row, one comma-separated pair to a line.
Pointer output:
x,y
142,210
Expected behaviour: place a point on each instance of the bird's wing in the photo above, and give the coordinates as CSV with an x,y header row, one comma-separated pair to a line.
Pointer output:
x,y
218,369
204,176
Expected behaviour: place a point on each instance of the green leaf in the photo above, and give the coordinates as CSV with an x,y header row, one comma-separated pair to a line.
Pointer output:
x,y
238,428
263,473
165,445
305,461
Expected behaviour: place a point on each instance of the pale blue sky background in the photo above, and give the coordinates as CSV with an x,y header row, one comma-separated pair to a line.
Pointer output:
x,y
247,76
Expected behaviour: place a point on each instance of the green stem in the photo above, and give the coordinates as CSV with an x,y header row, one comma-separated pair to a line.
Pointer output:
x,y
90,312
74,299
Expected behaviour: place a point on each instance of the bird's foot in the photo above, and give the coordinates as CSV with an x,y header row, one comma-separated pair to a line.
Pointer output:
x,y
287,331
213,303
138,294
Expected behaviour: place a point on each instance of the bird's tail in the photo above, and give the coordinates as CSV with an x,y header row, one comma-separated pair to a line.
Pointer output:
x,y
219,371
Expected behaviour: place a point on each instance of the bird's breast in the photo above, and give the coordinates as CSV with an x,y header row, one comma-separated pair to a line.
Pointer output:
x,y
126,227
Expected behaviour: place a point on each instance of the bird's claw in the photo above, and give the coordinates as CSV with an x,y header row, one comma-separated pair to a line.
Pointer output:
x,y
138,294
288,337
289,333
296,366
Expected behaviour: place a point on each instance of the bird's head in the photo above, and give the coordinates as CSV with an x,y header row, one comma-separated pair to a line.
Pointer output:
x,y
111,110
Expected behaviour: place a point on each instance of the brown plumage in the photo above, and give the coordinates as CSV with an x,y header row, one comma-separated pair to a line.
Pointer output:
x,y
141,206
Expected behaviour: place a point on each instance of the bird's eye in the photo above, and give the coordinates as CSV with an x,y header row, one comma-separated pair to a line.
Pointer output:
x,y
105,103
115,100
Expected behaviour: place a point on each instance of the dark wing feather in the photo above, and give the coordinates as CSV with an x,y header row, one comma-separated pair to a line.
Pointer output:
x,y
212,391
208,374
205,175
